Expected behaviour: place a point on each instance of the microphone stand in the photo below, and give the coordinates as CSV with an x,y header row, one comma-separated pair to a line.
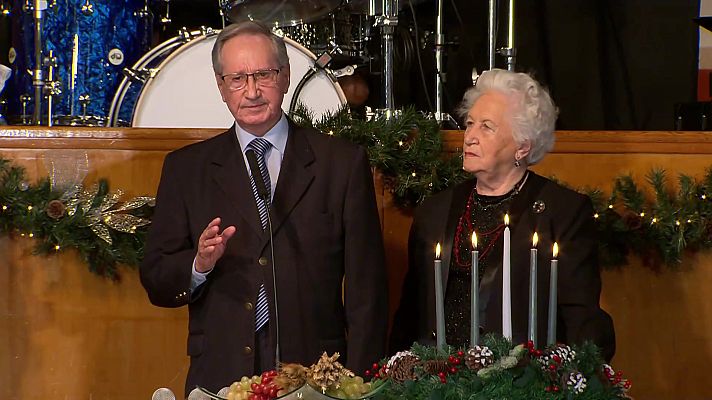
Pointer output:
x,y
264,195
277,357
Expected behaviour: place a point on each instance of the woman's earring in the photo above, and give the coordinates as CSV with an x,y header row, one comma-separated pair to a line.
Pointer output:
x,y
517,163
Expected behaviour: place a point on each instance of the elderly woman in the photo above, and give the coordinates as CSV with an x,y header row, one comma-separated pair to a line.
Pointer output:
x,y
510,122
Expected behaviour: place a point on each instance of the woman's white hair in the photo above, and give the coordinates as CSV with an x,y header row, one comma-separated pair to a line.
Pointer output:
x,y
533,117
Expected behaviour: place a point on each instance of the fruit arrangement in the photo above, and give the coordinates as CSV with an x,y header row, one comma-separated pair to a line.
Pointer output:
x,y
326,378
260,387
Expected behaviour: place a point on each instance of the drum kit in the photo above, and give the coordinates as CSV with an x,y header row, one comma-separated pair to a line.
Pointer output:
x,y
92,63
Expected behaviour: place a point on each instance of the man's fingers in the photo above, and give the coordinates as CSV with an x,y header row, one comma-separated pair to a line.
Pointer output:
x,y
228,232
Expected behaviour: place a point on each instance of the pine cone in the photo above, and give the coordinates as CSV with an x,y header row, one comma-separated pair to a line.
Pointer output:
x,y
434,367
327,372
291,376
479,357
559,356
401,367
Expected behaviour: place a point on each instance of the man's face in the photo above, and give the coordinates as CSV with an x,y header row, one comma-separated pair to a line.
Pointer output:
x,y
258,106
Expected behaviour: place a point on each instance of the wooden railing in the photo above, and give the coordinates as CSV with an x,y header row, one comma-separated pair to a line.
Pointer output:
x,y
68,333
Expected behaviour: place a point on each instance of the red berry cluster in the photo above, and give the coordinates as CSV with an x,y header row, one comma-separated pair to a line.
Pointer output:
x,y
455,363
552,388
377,371
616,378
267,389
533,352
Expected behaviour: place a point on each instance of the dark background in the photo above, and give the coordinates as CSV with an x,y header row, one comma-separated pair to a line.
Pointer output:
x,y
609,64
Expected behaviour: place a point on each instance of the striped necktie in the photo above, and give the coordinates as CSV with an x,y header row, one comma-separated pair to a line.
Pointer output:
x,y
260,147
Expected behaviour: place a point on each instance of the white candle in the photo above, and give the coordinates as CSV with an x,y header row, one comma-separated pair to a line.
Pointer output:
x,y
439,301
475,295
532,290
510,25
506,283
551,328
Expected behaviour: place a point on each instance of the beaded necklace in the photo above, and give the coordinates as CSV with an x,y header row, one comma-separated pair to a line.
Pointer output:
x,y
490,224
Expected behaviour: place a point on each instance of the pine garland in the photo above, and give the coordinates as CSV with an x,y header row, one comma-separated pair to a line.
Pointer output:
x,y
407,150
91,221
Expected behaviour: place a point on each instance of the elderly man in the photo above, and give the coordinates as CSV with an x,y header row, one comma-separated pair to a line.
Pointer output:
x,y
209,244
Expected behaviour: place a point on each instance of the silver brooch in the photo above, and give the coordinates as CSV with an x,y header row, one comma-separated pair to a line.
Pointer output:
x,y
538,206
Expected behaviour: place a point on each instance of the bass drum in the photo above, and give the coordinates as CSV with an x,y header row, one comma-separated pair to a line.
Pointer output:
x,y
181,91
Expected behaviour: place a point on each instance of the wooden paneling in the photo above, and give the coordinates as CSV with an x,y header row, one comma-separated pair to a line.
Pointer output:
x,y
65,333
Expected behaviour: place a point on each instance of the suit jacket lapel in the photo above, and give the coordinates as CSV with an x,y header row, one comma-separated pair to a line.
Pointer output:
x,y
295,176
230,173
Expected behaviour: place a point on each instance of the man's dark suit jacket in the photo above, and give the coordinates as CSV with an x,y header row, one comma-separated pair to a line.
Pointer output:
x,y
566,219
326,231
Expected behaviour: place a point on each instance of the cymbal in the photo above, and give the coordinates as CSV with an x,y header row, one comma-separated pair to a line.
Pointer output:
x,y
279,13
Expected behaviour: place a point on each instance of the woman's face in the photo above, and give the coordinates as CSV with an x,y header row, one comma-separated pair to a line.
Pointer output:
x,y
489,147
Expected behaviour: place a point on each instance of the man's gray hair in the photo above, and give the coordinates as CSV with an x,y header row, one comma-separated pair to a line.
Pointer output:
x,y
253,28
534,115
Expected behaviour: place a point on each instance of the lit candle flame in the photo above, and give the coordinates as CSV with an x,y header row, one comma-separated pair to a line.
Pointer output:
x,y
506,219
437,251
556,249
535,239
474,241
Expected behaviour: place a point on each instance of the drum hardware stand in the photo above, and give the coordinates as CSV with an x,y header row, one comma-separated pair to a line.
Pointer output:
x,y
491,34
345,71
52,86
84,101
5,8
509,52
87,8
440,75
388,22
3,103
38,9
166,19
25,99
221,6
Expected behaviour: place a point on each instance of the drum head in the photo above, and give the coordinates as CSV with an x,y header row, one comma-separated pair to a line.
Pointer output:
x,y
279,13
184,92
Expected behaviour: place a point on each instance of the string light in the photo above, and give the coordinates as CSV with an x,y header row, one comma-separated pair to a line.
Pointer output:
x,y
29,208
400,143
595,215
642,214
703,197
653,221
413,174
4,207
31,234
56,247
610,206
677,223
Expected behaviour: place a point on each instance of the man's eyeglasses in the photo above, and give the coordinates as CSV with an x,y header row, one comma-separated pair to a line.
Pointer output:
x,y
263,77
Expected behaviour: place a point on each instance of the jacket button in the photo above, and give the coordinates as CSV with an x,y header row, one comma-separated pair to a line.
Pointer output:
x,y
262,261
247,350
248,306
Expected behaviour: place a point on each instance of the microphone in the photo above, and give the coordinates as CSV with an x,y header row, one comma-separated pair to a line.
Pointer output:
x,y
264,194
163,394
